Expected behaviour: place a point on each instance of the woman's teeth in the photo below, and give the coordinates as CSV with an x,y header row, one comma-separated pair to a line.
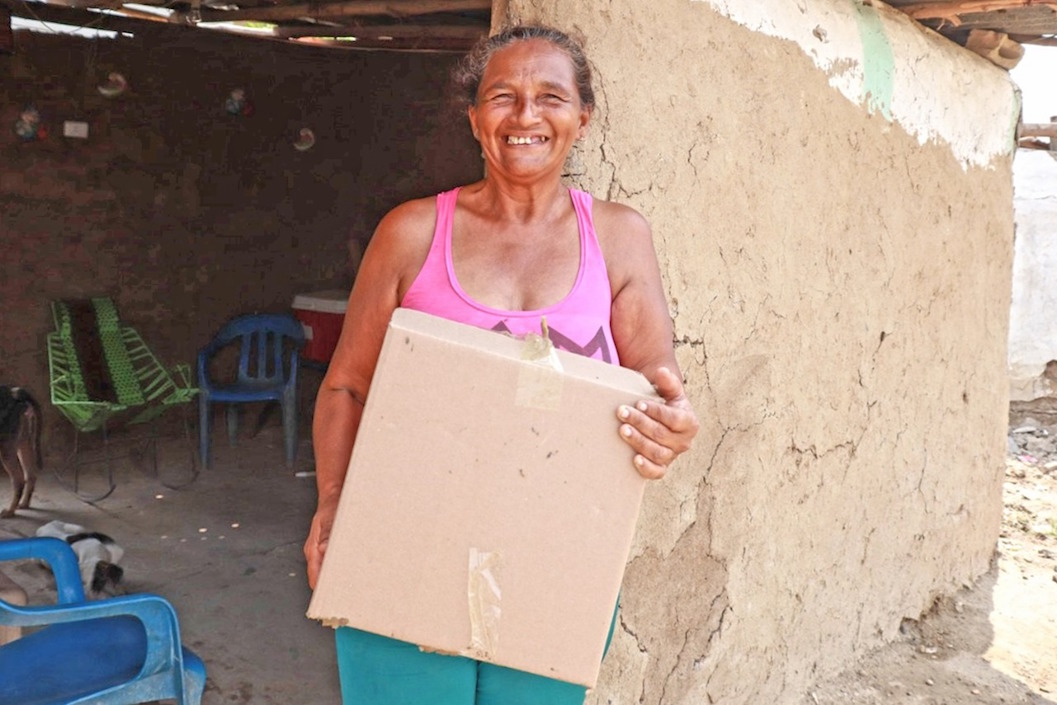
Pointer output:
x,y
525,140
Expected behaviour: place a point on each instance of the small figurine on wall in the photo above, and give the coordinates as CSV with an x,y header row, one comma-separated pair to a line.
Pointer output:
x,y
114,86
238,104
305,139
29,126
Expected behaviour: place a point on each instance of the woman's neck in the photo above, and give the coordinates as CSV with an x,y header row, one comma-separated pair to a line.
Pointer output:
x,y
516,203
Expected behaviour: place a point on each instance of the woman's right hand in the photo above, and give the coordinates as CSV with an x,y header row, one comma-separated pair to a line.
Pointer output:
x,y
319,537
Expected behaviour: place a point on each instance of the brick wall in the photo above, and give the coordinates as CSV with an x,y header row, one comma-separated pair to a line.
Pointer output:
x,y
185,214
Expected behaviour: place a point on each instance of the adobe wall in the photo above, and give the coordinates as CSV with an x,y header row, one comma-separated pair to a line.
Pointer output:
x,y
830,193
188,215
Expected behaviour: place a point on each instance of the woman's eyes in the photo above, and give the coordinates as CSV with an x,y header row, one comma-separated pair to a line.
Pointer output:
x,y
544,98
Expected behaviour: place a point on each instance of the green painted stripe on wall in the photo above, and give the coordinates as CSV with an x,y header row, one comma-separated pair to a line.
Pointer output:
x,y
878,61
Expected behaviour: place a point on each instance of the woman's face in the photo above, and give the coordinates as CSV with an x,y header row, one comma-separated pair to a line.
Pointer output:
x,y
528,112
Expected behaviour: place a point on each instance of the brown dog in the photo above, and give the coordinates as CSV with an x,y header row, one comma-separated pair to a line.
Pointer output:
x,y
20,425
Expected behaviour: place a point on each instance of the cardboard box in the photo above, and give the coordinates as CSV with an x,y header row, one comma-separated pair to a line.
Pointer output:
x,y
321,314
489,505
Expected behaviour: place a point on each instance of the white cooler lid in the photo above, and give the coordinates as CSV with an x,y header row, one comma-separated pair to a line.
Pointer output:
x,y
329,301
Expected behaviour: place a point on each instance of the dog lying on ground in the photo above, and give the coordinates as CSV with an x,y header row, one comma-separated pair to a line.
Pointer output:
x,y
98,556
20,426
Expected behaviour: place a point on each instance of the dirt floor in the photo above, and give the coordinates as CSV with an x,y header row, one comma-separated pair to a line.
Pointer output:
x,y
225,550
994,642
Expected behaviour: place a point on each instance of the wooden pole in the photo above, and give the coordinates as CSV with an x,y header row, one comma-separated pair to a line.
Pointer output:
x,y
7,37
1039,130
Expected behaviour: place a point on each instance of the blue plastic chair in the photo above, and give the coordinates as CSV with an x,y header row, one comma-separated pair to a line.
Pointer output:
x,y
116,651
269,351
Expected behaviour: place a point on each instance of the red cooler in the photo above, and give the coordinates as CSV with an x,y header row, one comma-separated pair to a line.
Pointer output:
x,y
321,314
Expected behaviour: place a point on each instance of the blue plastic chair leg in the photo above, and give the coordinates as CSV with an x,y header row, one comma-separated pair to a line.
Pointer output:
x,y
290,428
233,424
205,421
194,677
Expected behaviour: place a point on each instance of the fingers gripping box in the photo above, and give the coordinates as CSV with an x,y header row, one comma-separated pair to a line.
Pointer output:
x,y
490,504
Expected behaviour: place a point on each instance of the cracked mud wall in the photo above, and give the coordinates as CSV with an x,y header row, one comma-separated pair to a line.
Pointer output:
x,y
839,278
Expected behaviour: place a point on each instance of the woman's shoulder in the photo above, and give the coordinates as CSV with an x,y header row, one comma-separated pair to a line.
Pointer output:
x,y
402,238
410,216
617,221
408,227
626,241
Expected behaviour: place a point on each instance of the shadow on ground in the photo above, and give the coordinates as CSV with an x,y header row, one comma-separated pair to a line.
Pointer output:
x,y
992,643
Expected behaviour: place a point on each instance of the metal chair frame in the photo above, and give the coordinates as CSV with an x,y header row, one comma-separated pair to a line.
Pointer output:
x,y
143,388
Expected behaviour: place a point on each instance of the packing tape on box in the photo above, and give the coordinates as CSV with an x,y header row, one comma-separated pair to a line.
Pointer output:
x,y
539,384
484,594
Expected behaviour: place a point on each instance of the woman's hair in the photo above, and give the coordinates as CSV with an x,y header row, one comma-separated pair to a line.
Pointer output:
x,y
466,77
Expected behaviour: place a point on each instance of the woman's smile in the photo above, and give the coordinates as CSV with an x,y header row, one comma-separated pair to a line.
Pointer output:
x,y
536,139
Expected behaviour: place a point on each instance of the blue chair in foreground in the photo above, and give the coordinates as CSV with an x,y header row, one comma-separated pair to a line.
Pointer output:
x,y
117,651
268,353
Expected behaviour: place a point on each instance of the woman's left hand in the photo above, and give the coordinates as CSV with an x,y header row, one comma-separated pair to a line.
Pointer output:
x,y
659,433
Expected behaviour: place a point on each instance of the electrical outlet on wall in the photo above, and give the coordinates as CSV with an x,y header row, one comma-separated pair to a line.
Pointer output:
x,y
74,128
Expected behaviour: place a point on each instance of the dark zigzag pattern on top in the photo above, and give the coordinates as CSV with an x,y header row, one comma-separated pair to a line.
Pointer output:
x,y
563,342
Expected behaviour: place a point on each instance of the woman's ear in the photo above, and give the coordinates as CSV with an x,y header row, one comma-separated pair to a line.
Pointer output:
x,y
585,120
471,113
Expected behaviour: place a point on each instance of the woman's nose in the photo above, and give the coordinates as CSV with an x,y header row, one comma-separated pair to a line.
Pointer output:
x,y
526,109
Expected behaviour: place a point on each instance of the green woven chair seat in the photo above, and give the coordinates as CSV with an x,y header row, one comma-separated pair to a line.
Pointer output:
x,y
100,369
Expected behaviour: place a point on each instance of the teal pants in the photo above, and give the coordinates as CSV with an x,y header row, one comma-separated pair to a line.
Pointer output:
x,y
377,670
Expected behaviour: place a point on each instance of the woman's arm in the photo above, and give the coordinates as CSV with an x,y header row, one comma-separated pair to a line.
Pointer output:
x,y
642,332
392,259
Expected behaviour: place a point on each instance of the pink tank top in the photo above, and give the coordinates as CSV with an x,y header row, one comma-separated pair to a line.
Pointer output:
x,y
579,323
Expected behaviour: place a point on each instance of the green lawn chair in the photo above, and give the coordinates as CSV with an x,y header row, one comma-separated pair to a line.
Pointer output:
x,y
104,376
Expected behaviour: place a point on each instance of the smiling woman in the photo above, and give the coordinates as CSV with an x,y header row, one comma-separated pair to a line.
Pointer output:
x,y
502,254
529,111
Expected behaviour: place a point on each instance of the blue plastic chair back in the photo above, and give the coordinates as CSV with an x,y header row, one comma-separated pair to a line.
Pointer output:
x,y
119,650
269,346
268,359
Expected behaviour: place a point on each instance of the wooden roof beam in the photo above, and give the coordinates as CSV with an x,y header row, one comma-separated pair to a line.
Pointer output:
x,y
1041,129
1040,41
466,33
408,46
75,17
359,8
87,4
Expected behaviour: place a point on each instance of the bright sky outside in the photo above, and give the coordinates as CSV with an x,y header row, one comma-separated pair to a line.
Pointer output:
x,y
1036,74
